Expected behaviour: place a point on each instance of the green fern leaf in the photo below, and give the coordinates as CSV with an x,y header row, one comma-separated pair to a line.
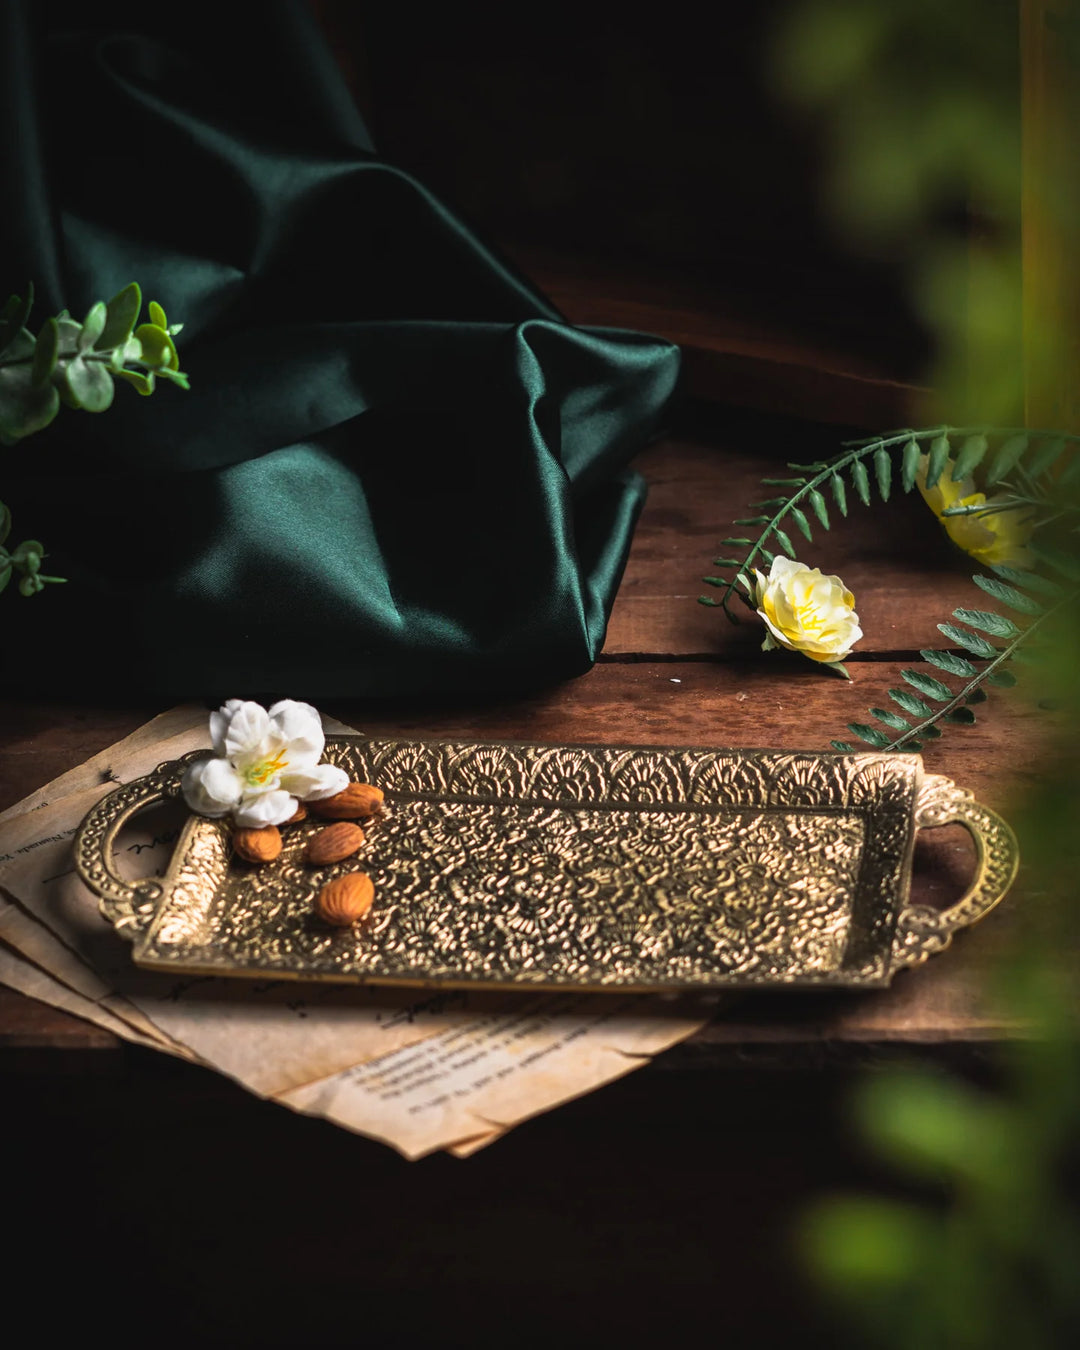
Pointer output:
x,y
913,746
861,480
926,684
783,540
969,457
715,581
1064,563
950,663
911,703
1008,595
971,642
977,696
1071,473
708,600
726,562
803,524
1031,581
817,502
883,472
932,731
1046,453
737,543
912,455
752,520
839,491
1004,679
870,735
890,719
939,457
784,482
767,554
997,625
1005,458
843,747
960,716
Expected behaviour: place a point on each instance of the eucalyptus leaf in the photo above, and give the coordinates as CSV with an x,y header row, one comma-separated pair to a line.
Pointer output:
x,y
143,383
90,384
45,353
93,327
15,317
24,409
5,523
122,313
157,315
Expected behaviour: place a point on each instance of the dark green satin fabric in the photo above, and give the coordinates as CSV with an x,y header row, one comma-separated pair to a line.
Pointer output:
x,y
398,469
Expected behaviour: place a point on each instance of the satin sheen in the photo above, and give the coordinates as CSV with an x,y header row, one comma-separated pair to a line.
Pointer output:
x,y
398,470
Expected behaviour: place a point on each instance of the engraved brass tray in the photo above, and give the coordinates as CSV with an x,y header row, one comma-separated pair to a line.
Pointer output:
x,y
576,867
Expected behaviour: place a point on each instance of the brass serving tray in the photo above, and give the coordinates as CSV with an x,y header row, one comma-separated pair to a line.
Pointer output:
x,y
573,867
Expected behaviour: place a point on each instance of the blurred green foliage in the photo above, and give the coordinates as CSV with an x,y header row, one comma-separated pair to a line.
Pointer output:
x,y
918,104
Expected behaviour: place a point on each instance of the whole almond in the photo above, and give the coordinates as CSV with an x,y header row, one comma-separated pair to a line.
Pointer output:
x,y
333,843
357,801
258,846
345,900
299,814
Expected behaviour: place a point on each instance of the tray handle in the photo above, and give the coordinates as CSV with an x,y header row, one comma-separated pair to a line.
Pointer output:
x,y
920,930
128,905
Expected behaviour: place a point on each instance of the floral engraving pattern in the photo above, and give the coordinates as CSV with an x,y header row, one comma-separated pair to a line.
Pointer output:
x,y
575,866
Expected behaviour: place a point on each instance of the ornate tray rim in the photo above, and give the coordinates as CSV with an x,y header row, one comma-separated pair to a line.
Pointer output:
x,y
918,932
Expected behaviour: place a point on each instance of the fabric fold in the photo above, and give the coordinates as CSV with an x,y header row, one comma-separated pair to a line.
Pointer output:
x,y
398,469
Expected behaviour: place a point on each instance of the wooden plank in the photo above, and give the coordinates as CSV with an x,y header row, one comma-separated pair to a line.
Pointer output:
x,y
905,573
798,361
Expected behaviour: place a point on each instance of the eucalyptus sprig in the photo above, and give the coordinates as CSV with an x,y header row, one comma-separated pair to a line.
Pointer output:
x,y
73,363
1035,482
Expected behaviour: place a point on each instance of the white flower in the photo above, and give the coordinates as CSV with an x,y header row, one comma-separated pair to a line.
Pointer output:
x,y
805,611
265,763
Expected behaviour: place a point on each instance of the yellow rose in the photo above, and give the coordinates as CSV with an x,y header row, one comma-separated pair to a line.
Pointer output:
x,y
805,611
998,538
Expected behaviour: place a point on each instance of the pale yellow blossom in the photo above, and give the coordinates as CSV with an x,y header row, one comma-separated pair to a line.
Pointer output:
x,y
998,538
806,611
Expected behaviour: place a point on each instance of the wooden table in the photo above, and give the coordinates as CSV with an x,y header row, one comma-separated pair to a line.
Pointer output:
x,y
674,672
620,1216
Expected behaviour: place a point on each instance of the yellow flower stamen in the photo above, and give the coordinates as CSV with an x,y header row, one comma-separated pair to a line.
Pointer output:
x,y
259,773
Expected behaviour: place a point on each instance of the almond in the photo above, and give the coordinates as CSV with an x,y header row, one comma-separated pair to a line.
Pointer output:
x,y
335,842
258,846
357,801
345,900
299,814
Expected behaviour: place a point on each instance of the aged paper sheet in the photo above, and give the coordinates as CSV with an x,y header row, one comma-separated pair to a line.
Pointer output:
x,y
452,1070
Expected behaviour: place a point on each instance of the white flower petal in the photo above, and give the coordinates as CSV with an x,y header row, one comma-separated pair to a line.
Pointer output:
x,y
219,725
264,808
300,728
211,787
314,783
249,725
